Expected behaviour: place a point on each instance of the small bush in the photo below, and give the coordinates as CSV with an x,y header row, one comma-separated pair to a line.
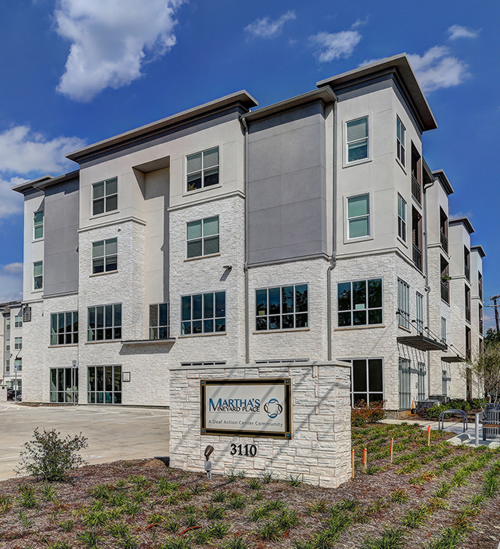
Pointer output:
x,y
362,414
51,458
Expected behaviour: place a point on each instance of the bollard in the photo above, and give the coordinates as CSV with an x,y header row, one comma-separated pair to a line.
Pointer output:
x,y
365,458
352,463
429,435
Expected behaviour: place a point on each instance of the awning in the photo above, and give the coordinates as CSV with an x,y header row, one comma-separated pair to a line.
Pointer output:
x,y
453,358
422,343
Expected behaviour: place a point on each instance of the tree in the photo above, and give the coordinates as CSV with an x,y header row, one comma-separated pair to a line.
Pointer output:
x,y
486,368
492,336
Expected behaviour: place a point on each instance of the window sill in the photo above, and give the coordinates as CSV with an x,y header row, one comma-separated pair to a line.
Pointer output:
x,y
202,257
259,332
101,274
347,328
197,191
105,214
64,345
356,162
211,334
401,165
358,239
37,291
402,242
104,341
132,342
37,240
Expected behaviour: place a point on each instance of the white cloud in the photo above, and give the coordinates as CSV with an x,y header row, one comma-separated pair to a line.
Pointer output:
x,y
110,40
13,269
23,151
11,285
360,22
335,45
456,31
265,28
11,203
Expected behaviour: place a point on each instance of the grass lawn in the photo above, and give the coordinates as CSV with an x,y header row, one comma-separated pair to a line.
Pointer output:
x,y
436,498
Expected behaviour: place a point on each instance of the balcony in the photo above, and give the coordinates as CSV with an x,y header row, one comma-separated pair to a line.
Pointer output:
x,y
444,241
481,326
467,313
415,189
467,272
445,292
417,257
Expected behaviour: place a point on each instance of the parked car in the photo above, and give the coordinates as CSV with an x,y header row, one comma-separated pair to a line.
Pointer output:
x,y
11,394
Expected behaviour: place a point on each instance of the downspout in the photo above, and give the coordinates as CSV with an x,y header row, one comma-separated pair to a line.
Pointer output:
x,y
244,124
427,287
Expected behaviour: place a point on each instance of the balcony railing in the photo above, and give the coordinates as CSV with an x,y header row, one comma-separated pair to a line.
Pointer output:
x,y
444,241
481,327
417,257
467,313
415,189
445,292
467,272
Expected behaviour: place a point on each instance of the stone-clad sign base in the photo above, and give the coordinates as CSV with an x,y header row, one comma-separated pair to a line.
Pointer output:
x,y
320,445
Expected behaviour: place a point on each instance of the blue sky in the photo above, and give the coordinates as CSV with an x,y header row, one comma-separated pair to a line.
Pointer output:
x,y
78,71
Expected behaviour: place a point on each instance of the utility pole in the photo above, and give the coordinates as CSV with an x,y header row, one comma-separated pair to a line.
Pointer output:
x,y
495,298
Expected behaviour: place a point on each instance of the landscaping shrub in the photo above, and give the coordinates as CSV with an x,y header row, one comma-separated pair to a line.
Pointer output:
x,y
474,405
50,457
362,414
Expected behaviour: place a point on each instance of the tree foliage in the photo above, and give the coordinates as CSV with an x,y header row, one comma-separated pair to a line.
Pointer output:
x,y
487,369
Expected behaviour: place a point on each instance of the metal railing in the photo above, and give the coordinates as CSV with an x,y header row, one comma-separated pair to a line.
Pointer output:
x,y
481,328
415,189
444,241
417,257
467,272
467,313
445,292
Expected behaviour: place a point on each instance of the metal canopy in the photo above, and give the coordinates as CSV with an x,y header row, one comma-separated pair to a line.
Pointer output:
x,y
422,343
453,358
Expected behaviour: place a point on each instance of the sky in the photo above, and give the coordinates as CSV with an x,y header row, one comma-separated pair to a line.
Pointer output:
x,y
74,72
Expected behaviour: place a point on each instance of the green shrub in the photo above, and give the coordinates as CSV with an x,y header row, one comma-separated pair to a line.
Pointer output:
x,y
362,414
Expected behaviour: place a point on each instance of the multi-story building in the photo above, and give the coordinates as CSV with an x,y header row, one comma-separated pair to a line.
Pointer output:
x,y
11,344
308,230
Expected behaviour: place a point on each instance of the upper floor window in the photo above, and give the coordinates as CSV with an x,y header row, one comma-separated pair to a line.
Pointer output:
x,y
360,303
18,343
400,141
159,325
203,313
403,304
203,237
38,225
203,169
18,365
7,344
401,218
104,322
64,328
358,216
37,275
18,319
282,308
105,196
7,322
105,256
357,139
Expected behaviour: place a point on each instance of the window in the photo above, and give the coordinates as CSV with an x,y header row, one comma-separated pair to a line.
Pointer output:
x,y
7,323
203,313
357,139
203,237
203,169
18,343
18,319
366,380
400,141
159,324
360,303
401,218
18,365
421,381
358,216
104,385
420,313
64,385
203,363
38,275
282,308
443,329
403,304
7,366
105,322
446,378
38,225
105,196
64,328
7,344
105,256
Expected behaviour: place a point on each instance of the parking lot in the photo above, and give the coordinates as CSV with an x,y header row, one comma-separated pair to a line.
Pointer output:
x,y
113,433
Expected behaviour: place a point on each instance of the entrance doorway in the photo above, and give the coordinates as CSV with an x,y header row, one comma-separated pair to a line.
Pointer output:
x,y
64,385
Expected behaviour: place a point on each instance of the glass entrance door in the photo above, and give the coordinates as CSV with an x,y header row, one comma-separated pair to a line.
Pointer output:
x,y
404,384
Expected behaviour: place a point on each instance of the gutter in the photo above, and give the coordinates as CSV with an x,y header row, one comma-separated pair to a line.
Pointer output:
x,y
244,125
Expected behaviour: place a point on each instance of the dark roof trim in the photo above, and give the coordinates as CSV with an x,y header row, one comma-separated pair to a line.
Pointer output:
x,y
439,174
428,177
29,185
464,221
479,249
325,95
403,68
46,181
241,98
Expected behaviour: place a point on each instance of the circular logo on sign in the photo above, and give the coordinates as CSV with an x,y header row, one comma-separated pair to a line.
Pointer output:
x,y
273,408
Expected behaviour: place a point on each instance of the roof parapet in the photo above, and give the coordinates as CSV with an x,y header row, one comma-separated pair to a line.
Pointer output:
x,y
464,221
479,249
441,176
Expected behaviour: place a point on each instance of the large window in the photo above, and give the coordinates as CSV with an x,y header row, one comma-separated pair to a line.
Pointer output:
x,y
400,141
37,275
367,380
360,303
357,139
203,169
64,385
18,343
105,322
18,319
282,308
358,216
401,218
64,328
38,225
403,304
203,313
104,385
159,324
105,196
203,237
105,256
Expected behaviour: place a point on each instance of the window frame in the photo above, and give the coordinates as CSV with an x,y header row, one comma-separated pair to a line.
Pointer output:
x,y
203,319
71,334
159,326
203,169
402,223
18,362
105,257
18,319
7,322
401,145
348,162
114,327
281,314
104,392
38,225
404,300
203,237
349,219
105,197
368,392
367,309
37,288
18,343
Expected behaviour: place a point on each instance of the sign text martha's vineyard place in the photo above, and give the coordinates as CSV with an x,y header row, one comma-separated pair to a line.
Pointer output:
x,y
246,407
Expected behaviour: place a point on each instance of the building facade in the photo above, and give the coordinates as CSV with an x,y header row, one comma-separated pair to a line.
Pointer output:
x,y
11,345
308,230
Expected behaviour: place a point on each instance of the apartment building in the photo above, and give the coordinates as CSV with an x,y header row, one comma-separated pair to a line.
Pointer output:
x,y
11,345
308,230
